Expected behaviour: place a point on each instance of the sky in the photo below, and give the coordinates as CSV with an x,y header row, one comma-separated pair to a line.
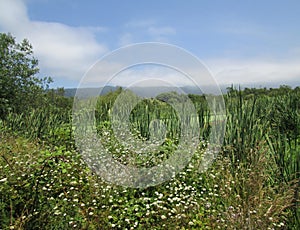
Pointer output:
x,y
253,43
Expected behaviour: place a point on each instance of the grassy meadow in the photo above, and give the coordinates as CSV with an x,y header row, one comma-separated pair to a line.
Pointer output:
x,y
252,184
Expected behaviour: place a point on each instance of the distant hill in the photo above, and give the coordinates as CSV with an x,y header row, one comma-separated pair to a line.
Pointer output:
x,y
87,92
141,91
154,91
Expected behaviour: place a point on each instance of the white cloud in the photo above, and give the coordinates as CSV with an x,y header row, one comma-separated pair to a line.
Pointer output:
x,y
255,71
112,73
143,74
150,75
145,29
126,39
13,13
224,71
63,51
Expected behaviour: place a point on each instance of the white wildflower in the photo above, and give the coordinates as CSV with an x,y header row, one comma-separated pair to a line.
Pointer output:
x,y
163,217
3,180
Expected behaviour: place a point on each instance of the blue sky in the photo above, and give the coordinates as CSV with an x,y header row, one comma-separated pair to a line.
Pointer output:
x,y
241,42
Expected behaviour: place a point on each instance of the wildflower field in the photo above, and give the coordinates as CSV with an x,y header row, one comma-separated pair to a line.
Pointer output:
x,y
45,182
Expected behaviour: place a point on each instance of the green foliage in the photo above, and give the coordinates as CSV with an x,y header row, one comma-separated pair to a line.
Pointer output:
x,y
104,105
35,183
260,153
55,189
20,89
42,124
161,109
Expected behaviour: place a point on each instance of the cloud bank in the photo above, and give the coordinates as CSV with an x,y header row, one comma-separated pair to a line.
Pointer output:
x,y
255,71
64,52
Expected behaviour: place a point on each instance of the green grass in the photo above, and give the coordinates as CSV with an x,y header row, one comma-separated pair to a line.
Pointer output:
x,y
252,184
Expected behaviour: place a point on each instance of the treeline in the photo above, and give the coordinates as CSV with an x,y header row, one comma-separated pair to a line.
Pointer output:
x,y
281,90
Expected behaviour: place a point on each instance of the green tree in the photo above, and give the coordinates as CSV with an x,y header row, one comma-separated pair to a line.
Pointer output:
x,y
20,88
171,97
